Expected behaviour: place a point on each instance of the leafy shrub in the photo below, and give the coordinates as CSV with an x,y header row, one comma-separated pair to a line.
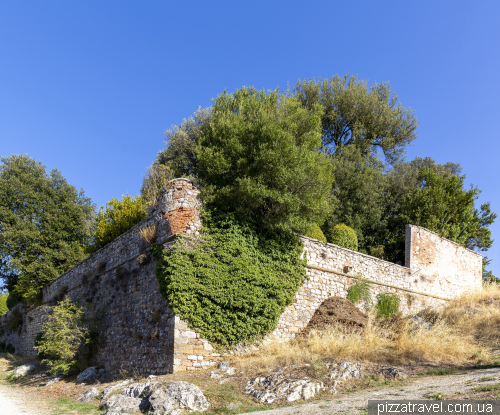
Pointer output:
x,y
387,304
12,300
231,284
3,303
67,338
343,235
316,233
157,176
360,292
377,251
117,217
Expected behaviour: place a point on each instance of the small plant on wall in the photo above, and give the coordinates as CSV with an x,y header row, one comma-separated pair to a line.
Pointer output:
x,y
387,304
360,292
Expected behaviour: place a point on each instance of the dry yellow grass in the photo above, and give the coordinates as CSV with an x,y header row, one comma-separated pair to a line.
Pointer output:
x,y
462,329
148,233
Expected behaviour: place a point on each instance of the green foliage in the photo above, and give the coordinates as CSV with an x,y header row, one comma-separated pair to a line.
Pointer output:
x,y
358,193
117,217
316,233
3,303
68,337
259,157
156,178
7,348
44,223
387,304
181,141
12,300
232,283
442,205
353,114
343,235
488,275
360,292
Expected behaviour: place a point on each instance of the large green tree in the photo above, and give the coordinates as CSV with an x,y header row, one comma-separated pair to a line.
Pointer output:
x,y
354,114
258,156
357,194
44,225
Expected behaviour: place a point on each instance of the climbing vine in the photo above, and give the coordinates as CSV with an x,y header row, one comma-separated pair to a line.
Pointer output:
x,y
232,283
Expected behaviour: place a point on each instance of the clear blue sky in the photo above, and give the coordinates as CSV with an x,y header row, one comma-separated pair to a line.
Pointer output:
x,y
89,87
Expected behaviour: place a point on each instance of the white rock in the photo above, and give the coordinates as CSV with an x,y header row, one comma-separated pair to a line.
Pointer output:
x,y
177,396
121,404
24,369
89,395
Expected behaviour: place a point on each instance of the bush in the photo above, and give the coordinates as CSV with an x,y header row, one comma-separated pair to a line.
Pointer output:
x,y
387,304
231,284
66,339
316,233
117,217
3,303
12,300
343,235
360,292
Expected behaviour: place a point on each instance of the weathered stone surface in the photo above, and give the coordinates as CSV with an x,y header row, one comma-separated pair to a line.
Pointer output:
x,y
418,323
121,404
344,370
89,395
87,375
139,390
177,396
267,389
53,379
24,369
224,365
106,392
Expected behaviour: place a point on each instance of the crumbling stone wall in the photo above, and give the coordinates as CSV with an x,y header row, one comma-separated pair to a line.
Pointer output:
x,y
141,334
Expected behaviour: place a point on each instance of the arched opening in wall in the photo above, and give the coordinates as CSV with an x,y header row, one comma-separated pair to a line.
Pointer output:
x,y
337,312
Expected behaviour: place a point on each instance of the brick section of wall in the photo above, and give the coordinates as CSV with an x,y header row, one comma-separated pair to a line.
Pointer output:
x,y
442,265
138,326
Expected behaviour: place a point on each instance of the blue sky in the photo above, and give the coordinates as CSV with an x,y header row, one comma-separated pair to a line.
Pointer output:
x,y
89,87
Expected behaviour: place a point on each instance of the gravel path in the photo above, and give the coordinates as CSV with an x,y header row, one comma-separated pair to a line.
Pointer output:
x,y
14,401
417,389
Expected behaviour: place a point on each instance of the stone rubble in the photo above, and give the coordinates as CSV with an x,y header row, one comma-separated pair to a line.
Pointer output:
x,y
267,389
53,379
157,399
89,395
106,392
393,373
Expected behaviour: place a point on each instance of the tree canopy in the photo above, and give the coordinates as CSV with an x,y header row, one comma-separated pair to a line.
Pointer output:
x,y
353,114
44,225
259,157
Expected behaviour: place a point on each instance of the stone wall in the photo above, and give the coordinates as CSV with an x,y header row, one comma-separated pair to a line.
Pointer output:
x,y
140,333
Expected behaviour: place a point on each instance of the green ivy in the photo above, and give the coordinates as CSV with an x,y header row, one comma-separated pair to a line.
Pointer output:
x,y
232,283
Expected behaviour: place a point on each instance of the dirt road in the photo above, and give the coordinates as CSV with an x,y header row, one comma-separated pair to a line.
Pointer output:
x,y
452,387
16,401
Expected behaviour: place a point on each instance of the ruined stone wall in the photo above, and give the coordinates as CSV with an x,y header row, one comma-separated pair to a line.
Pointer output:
x,y
436,269
137,331
140,333
441,265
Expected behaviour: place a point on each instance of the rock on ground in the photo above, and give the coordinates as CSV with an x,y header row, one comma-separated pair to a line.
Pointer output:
x,y
160,400
106,392
270,388
177,396
334,311
88,374
89,395
24,369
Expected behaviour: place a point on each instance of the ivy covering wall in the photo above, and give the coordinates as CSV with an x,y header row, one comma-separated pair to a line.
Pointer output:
x,y
232,283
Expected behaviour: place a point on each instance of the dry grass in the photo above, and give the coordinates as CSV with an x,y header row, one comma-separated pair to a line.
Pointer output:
x,y
148,233
462,329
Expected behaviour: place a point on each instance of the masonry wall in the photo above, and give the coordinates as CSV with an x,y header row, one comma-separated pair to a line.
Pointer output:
x,y
141,334
138,332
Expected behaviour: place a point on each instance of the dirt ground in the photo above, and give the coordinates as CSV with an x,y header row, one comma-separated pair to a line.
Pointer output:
x,y
27,397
